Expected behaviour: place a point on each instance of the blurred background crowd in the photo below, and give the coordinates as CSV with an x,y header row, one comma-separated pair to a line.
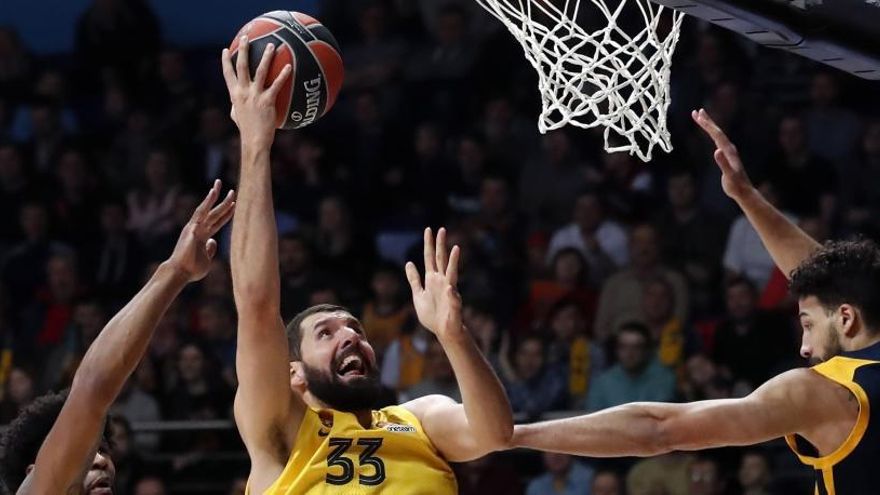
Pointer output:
x,y
589,279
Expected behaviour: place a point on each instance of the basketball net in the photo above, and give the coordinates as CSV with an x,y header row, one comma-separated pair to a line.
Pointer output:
x,y
597,77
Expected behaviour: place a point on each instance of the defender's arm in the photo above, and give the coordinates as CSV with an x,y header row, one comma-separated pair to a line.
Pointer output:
x,y
69,448
787,404
786,242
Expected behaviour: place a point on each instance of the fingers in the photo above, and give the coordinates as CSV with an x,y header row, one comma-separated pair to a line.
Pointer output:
x,y
263,68
201,211
430,264
211,248
220,211
223,220
452,269
440,255
705,121
228,70
722,142
279,81
412,275
242,71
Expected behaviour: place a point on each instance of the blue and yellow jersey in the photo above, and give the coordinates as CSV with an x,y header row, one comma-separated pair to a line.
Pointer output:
x,y
335,455
849,470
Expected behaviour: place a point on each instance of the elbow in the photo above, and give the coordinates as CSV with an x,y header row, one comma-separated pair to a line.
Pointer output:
x,y
503,439
655,432
666,438
500,435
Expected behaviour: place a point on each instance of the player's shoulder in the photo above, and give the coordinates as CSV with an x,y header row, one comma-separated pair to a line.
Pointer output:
x,y
802,386
425,404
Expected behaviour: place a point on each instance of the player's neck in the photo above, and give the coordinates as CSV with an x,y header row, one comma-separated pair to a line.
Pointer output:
x,y
364,416
862,340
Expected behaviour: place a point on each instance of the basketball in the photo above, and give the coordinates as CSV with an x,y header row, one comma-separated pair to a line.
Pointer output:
x,y
311,50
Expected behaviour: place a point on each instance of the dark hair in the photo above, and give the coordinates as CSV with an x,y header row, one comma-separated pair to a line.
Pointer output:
x,y
25,435
295,330
842,272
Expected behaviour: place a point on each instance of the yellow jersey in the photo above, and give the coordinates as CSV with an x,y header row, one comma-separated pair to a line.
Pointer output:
x,y
335,455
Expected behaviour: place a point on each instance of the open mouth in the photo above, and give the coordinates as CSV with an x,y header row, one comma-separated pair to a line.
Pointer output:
x,y
101,486
352,365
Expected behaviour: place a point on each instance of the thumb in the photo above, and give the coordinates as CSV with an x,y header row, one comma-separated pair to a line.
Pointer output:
x,y
723,162
211,248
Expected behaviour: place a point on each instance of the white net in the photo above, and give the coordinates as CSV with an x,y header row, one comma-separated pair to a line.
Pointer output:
x,y
603,75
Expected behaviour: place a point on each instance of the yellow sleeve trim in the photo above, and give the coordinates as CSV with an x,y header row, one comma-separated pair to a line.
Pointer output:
x,y
840,370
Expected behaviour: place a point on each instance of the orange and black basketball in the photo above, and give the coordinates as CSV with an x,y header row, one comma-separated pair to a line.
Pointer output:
x,y
312,52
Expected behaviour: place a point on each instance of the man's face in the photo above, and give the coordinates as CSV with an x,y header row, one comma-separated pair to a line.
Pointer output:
x,y
753,471
791,135
588,212
741,301
606,484
62,278
557,464
437,365
529,358
681,191
101,476
632,351
191,363
820,331
705,479
643,246
293,256
385,286
338,363
657,302
493,196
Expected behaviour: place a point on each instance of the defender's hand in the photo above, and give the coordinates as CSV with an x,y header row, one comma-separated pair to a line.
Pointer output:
x,y
438,304
195,249
253,104
734,180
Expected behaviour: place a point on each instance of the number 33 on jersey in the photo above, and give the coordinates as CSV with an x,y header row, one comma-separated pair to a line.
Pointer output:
x,y
335,455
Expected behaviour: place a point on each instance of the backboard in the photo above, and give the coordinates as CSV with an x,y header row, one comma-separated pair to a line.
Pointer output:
x,y
844,34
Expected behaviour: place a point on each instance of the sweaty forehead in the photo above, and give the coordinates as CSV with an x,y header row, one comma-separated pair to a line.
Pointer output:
x,y
312,321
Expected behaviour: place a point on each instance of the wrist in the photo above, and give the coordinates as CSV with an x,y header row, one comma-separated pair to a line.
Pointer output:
x,y
172,271
454,336
748,196
254,148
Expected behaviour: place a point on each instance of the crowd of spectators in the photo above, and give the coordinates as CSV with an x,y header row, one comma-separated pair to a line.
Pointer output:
x,y
589,279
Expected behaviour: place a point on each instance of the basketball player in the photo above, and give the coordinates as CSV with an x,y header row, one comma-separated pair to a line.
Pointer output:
x,y
69,428
826,413
304,405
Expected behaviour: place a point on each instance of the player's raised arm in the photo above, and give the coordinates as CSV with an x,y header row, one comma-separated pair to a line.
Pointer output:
x,y
483,422
786,242
795,402
264,411
68,450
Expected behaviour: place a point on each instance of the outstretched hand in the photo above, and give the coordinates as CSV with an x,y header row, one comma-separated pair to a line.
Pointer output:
x,y
195,249
437,302
734,179
253,103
